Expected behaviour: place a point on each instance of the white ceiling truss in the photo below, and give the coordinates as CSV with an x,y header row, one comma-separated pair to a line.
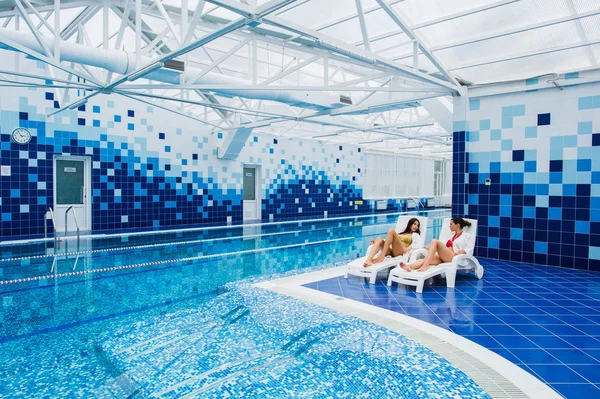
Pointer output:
x,y
340,71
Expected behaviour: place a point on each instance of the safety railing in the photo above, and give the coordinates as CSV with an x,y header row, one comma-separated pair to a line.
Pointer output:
x,y
56,235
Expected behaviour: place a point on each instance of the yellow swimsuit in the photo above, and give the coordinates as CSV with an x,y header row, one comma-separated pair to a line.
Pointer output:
x,y
407,238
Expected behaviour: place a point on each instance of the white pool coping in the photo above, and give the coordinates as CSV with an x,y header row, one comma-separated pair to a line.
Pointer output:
x,y
499,377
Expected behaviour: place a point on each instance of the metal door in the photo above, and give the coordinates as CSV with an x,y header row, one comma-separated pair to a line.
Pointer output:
x,y
72,190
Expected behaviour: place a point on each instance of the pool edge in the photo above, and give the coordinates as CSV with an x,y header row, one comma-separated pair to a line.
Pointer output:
x,y
443,342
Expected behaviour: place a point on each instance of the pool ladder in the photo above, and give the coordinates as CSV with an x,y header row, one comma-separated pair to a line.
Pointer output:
x,y
76,223
56,234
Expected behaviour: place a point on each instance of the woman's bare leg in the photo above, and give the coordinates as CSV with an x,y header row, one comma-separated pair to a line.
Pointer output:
x,y
377,243
392,244
438,253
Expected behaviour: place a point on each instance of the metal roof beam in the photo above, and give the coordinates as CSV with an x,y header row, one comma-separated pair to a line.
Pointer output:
x,y
395,16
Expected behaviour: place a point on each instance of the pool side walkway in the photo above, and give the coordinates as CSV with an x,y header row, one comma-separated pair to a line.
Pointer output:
x,y
496,375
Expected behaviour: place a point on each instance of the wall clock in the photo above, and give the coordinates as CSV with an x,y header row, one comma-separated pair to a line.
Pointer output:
x,y
21,136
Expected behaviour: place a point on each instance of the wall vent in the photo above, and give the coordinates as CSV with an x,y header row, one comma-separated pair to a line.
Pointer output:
x,y
345,99
175,65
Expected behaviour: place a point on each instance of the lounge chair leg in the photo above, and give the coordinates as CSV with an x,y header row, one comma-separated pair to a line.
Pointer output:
x,y
390,280
479,272
373,278
420,284
450,279
346,274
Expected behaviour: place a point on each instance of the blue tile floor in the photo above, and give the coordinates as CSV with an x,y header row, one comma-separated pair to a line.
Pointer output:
x,y
544,319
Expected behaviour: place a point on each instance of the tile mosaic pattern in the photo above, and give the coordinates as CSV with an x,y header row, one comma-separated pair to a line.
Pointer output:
x,y
152,169
541,151
544,319
240,345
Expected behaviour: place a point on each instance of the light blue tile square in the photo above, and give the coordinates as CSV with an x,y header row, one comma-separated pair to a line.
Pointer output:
x,y
582,227
570,141
595,253
474,104
484,124
472,136
507,112
584,128
507,123
541,247
531,82
493,242
541,201
529,212
459,126
496,134
586,103
555,213
519,110
516,234
507,145
24,208
531,132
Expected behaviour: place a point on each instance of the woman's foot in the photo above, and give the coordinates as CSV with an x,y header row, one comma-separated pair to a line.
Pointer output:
x,y
368,263
379,259
405,266
423,268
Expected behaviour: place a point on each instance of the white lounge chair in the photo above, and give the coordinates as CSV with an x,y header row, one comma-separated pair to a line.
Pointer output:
x,y
356,267
462,262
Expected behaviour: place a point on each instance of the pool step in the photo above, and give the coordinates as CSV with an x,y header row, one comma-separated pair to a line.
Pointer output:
x,y
121,387
254,343
219,341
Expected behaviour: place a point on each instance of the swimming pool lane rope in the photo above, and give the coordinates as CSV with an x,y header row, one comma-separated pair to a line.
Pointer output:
x,y
155,263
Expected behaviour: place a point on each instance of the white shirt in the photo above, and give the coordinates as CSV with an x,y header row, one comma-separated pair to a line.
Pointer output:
x,y
464,242
417,241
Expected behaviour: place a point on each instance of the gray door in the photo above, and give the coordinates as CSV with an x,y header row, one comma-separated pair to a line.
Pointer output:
x,y
71,185
250,201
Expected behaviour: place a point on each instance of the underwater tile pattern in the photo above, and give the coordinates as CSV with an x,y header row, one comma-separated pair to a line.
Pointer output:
x,y
544,319
541,152
241,345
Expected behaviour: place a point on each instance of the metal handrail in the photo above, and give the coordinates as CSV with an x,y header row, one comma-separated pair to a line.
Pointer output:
x,y
76,223
56,235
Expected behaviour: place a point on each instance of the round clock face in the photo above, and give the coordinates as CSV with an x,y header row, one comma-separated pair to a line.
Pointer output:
x,y
21,135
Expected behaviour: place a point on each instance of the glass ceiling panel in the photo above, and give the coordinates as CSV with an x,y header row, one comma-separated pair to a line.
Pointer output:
x,y
507,46
494,21
559,62
421,11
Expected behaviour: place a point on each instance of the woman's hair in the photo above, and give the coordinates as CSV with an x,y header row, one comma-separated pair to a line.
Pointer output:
x,y
409,225
463,223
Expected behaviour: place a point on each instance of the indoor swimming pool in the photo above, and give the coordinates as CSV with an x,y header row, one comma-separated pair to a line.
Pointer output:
x,y
172,315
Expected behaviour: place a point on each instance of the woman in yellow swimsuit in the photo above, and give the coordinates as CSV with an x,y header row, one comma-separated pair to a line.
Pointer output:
x,y
395,243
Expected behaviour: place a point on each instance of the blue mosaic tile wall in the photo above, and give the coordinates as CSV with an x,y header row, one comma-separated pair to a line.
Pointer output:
x,y
541,150
153,169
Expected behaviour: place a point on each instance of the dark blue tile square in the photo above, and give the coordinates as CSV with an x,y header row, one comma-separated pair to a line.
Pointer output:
x,y
543,119
515,342
557,374
534,356
577,390
572,356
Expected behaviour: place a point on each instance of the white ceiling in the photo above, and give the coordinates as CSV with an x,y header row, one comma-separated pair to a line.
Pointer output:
x,y
366,48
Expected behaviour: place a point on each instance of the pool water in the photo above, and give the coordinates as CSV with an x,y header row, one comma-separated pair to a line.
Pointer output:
x,y
65,311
